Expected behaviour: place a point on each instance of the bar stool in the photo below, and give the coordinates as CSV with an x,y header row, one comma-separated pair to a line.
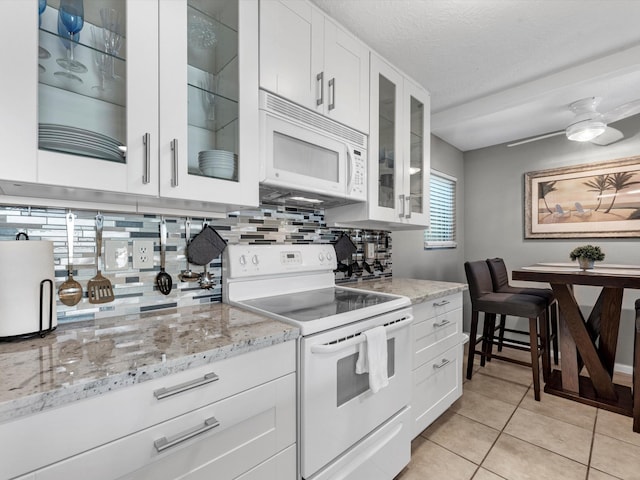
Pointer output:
x,y
636,372
485,300
500,279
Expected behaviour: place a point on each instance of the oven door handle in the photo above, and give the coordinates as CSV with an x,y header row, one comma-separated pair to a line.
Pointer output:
x,y
326,348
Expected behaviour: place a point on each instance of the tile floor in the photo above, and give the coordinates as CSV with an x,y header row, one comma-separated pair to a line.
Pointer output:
x,y
496,430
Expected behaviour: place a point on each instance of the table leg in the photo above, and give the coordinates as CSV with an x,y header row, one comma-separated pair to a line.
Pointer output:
x,y
571,318
568,359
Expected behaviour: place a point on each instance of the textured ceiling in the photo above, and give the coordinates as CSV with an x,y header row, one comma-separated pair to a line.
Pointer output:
x,y
501,70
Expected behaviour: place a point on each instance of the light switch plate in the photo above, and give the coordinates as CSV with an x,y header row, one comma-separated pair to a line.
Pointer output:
x,y
116,255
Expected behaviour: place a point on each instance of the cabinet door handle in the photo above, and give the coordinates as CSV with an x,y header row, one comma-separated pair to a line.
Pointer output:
x,y
441,364
146,174
174,175
320,83
332,93
441,304
164,442
402,205
442,323
183,387
408,200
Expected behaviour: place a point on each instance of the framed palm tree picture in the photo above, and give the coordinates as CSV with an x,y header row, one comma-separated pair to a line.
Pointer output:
x,y
581,201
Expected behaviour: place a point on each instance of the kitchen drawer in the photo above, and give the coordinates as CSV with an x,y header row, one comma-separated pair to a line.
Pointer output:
x,y
436,335
85,424
438,306
279,467
253,426
436,385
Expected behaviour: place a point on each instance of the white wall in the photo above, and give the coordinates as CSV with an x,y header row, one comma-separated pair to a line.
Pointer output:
x,y
410,259
494,212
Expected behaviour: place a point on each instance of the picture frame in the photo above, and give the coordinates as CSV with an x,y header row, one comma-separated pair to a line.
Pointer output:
x,y
595,200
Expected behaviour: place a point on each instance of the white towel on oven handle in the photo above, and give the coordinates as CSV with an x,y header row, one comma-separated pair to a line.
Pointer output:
x,y
372,358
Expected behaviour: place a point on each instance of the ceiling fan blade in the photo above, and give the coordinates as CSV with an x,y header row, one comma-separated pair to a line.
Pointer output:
x,y
533,139
610,135
622,111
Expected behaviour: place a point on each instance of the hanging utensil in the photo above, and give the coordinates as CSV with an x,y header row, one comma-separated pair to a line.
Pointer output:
x,y
99,287
70,292
163,279
206,280
188,275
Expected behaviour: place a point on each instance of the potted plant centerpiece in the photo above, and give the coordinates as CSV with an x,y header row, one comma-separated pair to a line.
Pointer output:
x,y
586,255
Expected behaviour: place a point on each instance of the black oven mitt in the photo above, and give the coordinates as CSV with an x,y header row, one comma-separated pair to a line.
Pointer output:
x,y
205,246
344,248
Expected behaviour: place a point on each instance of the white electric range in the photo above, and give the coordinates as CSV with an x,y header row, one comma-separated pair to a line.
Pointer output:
x,y
344,430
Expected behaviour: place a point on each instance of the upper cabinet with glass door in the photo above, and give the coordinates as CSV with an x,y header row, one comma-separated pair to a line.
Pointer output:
x,y
399,161
309,59
83,115
208,136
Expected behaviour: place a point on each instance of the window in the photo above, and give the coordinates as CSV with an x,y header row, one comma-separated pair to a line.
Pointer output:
x,y
442,208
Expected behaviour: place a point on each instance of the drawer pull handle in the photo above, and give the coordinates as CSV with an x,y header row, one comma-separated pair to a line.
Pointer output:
x,y
442,323
441,304
183,387
163,443
442,363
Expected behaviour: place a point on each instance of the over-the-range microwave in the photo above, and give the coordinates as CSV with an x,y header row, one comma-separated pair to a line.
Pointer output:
x,y
307,159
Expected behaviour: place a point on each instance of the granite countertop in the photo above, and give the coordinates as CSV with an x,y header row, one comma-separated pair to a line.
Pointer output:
x,y
417,290
84,359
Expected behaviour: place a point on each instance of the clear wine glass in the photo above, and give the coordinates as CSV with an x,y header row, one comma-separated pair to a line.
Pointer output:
x,y
43,53
67,40
102,60
71,15
112,35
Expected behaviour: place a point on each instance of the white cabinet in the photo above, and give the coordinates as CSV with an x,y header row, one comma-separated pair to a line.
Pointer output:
x,y
309,59
437,358
129,125
229,417
399,155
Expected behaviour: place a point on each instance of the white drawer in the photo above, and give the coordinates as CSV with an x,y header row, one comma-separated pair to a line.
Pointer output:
x,y
435,335
85,424
437,306
436,385
253,426
279,467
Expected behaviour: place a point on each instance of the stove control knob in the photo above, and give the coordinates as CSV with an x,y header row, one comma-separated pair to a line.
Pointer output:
x,y
255,260
242,260
329,256
321,257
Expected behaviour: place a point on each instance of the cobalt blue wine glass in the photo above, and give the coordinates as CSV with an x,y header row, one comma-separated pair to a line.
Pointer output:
x,y
67,40
42,52
71,15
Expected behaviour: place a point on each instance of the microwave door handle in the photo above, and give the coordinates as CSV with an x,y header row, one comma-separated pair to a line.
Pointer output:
x,y
360,338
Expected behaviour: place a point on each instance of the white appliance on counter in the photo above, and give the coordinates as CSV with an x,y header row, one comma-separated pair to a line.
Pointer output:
x,y
308,159
344,430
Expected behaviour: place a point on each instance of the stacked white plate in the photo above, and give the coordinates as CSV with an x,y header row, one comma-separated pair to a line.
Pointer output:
x,y
78,141
217,163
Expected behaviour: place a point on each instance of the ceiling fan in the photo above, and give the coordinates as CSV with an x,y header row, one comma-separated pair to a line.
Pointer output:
x,y
589,125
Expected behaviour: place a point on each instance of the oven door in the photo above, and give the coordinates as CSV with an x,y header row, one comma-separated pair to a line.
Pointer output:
x,y
337,408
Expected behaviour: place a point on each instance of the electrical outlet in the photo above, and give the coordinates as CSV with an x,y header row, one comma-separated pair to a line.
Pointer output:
x,y
142,254
116,255
369,250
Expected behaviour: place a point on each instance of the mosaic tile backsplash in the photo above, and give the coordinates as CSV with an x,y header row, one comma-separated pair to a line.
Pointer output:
x,y
135,289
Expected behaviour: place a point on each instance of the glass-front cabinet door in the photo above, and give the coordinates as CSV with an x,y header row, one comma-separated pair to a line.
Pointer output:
x,y
385,156
204,45
418,141
97,95
76,107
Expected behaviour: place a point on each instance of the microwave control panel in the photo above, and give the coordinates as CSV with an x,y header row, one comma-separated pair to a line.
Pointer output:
x,y
358,181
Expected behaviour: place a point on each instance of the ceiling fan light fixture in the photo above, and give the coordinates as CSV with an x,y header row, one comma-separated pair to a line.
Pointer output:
x,y
585,130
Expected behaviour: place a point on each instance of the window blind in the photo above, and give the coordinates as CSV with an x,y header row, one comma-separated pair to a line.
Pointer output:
x,y
442,207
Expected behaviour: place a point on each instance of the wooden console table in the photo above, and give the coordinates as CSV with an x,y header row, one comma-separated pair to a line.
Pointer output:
x,y
578,337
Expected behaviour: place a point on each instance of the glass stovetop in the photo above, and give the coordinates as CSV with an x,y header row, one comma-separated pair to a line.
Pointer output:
x,y
318,304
